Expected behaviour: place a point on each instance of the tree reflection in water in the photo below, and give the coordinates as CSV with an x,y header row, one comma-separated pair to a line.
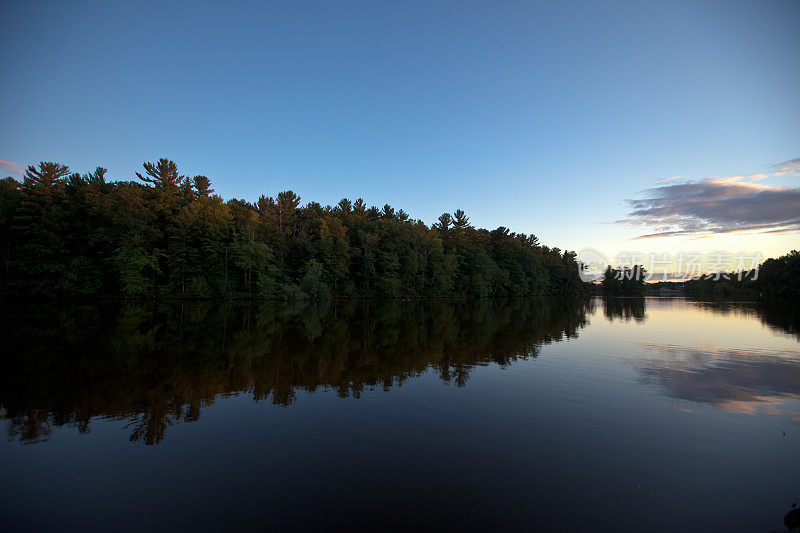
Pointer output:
x,y
624,309
155,365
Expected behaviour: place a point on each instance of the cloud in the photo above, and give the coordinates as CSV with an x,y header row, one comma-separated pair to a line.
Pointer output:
x,y
667,180
720,204
791,166
8,166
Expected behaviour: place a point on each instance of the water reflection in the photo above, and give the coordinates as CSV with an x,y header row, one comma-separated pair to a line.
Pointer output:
x,y
740,381
780,316
624,309
577,424
157,365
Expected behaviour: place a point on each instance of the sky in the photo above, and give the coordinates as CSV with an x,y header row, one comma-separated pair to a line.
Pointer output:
x,y
588,124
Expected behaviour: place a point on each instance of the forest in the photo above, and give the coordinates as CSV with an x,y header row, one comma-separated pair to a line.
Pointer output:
x,y
168,235
776,277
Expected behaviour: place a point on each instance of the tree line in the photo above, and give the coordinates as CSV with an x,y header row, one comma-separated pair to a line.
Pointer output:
x,y
624,281
776,277
168,235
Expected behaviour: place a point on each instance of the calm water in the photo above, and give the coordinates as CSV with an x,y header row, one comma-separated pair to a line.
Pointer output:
x,y
554,414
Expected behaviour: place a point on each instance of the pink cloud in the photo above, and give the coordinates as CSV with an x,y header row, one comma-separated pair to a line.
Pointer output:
x,y
8,166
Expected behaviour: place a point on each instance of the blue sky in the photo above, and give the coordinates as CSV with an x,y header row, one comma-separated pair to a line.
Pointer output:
x,y
544,117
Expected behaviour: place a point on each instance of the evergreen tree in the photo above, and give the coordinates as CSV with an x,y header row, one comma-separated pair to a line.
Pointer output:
x,y
168,235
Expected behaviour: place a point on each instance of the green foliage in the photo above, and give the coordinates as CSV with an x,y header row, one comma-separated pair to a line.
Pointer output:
x,y
168,235
139,270
291,292
312,283
252,256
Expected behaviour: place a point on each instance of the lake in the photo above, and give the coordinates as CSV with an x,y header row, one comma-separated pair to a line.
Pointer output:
x,y
535,414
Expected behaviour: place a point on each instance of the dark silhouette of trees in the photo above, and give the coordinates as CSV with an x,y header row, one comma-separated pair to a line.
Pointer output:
x,y
460,220
169,235
203,186
626,281
781,276
162,175
444,224
776,278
